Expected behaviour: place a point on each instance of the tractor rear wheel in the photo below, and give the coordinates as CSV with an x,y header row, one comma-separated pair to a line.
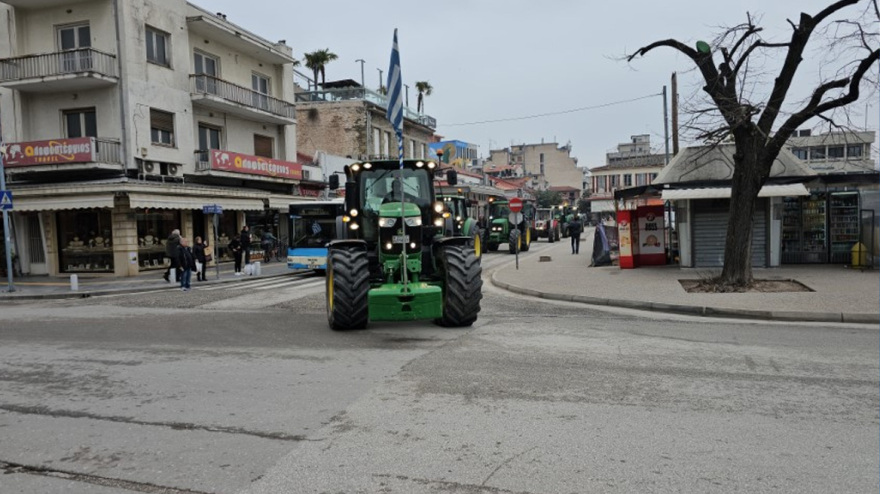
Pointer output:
x,y
550,234
462,286
477,242
347,283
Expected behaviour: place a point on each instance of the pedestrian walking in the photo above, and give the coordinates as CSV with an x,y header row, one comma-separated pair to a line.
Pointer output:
x,y
245,239
575,227
199,248
171,252
187,263
235,247
268,242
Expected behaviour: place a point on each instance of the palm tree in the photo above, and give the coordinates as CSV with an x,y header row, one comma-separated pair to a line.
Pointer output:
x,y
317,61
424,88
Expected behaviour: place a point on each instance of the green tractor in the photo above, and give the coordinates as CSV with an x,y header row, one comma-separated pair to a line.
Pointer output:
x,y
394,260
464,223
501,230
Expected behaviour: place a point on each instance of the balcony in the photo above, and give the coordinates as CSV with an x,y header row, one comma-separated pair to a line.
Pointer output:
x,y
72,155
39,4
246,103
222,163
363,94
69,70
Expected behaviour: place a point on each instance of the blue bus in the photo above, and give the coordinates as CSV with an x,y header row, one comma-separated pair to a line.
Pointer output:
x,y
312,226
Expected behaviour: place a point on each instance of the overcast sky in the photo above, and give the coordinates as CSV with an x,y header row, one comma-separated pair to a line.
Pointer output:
x,y
507,59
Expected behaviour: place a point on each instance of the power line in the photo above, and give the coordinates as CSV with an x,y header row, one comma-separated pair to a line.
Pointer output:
x,y
573,110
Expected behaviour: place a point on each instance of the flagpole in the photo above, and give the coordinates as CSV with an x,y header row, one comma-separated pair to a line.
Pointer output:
x,y
395,116
6,229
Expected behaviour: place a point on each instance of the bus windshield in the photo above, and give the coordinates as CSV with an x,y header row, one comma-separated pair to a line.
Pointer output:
x,y
314,224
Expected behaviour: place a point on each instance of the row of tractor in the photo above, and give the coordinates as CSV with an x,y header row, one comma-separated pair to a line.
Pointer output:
x,y
407,248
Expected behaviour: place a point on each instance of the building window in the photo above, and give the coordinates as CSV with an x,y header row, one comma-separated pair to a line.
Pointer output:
x,y
157,47
386,145
653,176
206,67
85,241
854,150
627,180
377,141
161,127
209,138
264,146
423,152
153,226
817,153
641,179
835,152
260,85
801,153
542,168
80,123
71,41
600,183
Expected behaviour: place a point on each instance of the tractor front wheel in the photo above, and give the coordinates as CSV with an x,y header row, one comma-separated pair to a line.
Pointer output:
x,y
462,286
514,243
347,283
527,240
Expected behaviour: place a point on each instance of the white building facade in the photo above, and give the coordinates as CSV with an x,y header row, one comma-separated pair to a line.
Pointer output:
x,y
123,118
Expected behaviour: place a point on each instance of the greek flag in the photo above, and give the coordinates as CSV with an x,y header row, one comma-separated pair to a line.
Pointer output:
x,y
395,97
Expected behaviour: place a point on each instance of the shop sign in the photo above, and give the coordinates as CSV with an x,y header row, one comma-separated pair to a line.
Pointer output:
x,y
228,161
50,152
309,192
651,233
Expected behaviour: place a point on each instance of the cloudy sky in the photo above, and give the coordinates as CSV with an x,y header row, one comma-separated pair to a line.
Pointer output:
x,y
506,60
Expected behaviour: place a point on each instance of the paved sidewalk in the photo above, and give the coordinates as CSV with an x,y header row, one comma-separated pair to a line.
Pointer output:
x,y
50,287
840,294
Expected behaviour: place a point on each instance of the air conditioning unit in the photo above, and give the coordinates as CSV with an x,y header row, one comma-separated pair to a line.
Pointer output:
x,y
147,167
173,169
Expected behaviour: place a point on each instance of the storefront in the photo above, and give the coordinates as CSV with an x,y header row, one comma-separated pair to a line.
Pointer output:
x,y
153,228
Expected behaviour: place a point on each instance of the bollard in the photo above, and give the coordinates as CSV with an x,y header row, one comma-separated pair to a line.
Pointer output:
x,y
74,283
257,268
172,275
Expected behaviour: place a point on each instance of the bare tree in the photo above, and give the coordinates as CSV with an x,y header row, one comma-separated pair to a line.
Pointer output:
x,y
757,136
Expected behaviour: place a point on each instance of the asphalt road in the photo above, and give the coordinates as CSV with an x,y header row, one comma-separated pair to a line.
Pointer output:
x,y
242,388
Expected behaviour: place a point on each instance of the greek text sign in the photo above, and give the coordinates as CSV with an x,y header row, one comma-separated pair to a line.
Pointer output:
x,y
254,165
50,152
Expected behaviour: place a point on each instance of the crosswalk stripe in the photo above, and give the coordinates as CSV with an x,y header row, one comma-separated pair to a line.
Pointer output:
x,y
263,283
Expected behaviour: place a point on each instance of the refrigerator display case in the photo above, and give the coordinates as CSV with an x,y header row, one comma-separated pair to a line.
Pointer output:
x,y
843,225
803,229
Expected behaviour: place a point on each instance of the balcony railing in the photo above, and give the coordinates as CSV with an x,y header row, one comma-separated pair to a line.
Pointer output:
x,y
83,60
364,94
212,86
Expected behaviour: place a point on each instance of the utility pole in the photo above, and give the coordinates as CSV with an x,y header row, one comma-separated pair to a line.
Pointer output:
x,y
674,114
361,61
665,126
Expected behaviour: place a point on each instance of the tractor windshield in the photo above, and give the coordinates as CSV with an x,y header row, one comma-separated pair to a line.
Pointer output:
x,y
498,211
382,186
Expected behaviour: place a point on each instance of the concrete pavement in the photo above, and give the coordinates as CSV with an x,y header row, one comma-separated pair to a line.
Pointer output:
x,y
840,294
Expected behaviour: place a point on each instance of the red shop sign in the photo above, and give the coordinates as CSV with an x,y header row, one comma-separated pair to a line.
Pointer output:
x,y
50,152
228,161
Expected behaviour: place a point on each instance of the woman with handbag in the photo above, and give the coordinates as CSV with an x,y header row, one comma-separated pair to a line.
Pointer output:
x,y
199,251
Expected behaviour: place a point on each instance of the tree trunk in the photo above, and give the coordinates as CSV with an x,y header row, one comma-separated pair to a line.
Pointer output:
x,y
748,177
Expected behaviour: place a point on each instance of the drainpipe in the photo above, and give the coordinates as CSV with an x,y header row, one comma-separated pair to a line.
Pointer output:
x,y
121,87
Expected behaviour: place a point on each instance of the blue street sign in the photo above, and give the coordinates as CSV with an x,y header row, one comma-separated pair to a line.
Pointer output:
x,y
5,200
212,209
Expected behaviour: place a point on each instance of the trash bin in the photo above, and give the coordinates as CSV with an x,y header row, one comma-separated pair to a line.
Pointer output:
x,y
859,255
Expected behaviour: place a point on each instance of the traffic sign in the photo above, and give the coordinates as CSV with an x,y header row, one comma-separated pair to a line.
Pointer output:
x,y
515,218
516,204
5,200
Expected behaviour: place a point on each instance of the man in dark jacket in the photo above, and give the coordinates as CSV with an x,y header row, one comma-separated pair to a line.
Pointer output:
x,y
187,263
574,229
245,239
172,245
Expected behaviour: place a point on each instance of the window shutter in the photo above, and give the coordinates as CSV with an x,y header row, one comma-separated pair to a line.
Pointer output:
x,y
161,120
263,146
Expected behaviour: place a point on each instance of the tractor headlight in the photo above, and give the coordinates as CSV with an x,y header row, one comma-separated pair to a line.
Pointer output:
x,y
446,214
353,212
367,166
431,164
412,245
438,222
353,226
346,218
420,164
355,167
414,221
438,207
458,218
389,246
387,222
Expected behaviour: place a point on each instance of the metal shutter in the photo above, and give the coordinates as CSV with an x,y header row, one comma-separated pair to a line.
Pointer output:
x,y
710,228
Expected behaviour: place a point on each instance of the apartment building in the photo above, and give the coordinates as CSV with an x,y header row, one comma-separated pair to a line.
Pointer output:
x,y
632,165
124,118
550,161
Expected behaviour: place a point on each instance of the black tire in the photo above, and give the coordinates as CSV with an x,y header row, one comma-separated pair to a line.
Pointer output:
x,y
550,237
461,273
476,243
557,233
347,285
513,239
527,241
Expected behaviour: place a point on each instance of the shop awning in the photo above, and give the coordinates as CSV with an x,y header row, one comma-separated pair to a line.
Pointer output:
x,y
160,201
787,190
283,202
59,203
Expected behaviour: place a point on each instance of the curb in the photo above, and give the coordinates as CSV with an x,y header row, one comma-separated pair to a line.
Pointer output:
x,y
5,296
693,310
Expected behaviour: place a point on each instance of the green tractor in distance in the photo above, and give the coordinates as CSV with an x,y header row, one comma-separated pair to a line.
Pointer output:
x,y
463,223
393,260
501,230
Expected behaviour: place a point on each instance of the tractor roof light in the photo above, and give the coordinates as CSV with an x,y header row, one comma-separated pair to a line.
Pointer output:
x,y
367,166
355,167
353,212
432,165
412,245
438,207
389,246
420,164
